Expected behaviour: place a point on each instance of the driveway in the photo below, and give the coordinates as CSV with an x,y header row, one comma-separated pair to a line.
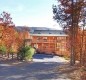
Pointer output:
x,y
42,68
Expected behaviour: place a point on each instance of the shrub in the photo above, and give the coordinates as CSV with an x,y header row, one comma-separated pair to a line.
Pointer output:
x,y
26,53
29,54
3,49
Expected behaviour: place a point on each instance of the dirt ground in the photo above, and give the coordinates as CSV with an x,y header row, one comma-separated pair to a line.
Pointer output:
x,y
73,72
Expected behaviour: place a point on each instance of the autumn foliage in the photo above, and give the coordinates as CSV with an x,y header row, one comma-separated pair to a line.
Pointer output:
x,y
69,13
9,36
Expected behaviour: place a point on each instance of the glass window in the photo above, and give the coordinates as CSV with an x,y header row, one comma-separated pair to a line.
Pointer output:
x,y
38,38
45,39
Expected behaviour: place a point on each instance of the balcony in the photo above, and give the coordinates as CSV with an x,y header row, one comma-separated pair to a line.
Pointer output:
x,y
43,41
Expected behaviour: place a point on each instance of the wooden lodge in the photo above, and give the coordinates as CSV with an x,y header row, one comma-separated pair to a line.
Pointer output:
x,y
46,40
50,41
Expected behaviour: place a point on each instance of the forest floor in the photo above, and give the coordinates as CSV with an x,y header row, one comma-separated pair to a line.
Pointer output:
x,y
74,72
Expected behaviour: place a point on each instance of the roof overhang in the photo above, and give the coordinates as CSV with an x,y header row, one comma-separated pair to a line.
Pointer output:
x,y
48,35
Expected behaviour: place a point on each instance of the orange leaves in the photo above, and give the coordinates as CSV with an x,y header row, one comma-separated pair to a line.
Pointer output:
x,y
11,38
8,35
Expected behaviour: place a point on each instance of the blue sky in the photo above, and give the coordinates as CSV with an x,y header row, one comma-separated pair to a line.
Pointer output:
x,y
37,13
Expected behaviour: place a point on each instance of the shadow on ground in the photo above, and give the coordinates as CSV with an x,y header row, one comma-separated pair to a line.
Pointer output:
x,y
41,56
28,71
17,70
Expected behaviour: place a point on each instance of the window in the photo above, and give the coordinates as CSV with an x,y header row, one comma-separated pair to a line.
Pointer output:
x,y
39,33
45,39
38,38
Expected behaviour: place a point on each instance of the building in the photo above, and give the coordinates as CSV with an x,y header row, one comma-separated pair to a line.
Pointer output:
x,y
47,40
50,41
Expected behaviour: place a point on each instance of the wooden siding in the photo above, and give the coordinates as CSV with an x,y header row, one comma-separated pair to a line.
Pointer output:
x,y
50,44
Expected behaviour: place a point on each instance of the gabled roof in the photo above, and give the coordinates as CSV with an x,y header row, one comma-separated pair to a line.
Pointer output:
x,y
48,32
41,31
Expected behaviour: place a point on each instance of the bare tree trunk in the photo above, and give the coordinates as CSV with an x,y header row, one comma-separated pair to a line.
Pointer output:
x,y
81,49
85,53
72,37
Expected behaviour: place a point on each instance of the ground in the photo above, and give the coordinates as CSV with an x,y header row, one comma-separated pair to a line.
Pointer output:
x,y
43,67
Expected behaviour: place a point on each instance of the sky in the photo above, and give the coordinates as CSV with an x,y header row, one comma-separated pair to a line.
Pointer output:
x,y
36,13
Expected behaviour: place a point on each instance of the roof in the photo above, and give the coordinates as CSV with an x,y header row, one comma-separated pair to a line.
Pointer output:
x,y
42,31
48,33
